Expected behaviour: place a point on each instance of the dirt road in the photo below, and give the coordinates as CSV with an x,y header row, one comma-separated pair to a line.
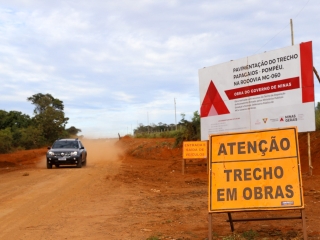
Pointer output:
x,y
63,203
130,189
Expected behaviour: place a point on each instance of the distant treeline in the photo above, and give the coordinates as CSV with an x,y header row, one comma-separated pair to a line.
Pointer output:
x,y
187,130
20,131
184,131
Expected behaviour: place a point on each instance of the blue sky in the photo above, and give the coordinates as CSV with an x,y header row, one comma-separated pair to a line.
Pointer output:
x,y
116,64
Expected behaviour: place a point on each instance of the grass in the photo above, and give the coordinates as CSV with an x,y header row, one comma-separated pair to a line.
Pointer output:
x,y
165,134
248,235
156,236
164,144
153,238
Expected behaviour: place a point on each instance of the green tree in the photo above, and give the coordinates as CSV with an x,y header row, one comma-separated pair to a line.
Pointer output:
x,y
196,123
73,131
190,129
14,119
31,137
3,116
6,140
49,115
43,101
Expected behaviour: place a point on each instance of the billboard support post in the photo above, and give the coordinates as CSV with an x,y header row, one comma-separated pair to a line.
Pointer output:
x,y
309,155
210,226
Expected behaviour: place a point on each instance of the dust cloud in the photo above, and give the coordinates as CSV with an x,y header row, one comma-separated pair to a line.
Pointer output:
x,y
42,163
101,150
98,150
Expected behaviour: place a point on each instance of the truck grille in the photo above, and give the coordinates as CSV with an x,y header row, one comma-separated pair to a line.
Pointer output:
x,y
62,154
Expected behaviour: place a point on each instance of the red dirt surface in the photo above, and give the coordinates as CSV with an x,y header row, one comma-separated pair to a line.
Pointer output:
x,y
144,196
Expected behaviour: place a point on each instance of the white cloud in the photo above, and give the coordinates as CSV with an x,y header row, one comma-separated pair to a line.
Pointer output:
x,y
122,96
112,62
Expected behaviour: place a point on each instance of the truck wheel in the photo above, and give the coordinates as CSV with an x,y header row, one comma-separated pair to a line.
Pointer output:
x,y
79,164
49,165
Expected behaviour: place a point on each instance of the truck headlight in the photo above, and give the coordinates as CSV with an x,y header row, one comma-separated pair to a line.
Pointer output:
x,y
74,153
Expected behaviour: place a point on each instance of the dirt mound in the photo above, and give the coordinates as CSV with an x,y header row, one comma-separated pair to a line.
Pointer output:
x,y
151,148
5,164
21,159
163,148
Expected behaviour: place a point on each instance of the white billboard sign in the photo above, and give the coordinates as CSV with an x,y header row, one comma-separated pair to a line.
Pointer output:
x,y
269,90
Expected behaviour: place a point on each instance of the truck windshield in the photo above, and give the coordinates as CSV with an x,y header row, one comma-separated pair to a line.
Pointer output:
x,y
65,144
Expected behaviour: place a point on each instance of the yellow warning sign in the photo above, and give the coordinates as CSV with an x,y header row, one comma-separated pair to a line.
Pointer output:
x,y
256,170
195,149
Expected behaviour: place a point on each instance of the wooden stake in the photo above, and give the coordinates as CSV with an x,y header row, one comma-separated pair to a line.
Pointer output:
x,y
309,156
210,226
183,165
304,224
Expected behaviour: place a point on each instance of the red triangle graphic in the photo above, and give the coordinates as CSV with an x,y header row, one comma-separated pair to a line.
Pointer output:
x,y
213,104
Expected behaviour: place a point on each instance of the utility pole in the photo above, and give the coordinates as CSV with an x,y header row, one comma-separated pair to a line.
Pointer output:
x,y
292,39
148,121
175,113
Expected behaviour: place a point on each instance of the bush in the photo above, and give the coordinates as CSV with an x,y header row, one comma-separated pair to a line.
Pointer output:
x,y
165,134
31,137
188,130
6,140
